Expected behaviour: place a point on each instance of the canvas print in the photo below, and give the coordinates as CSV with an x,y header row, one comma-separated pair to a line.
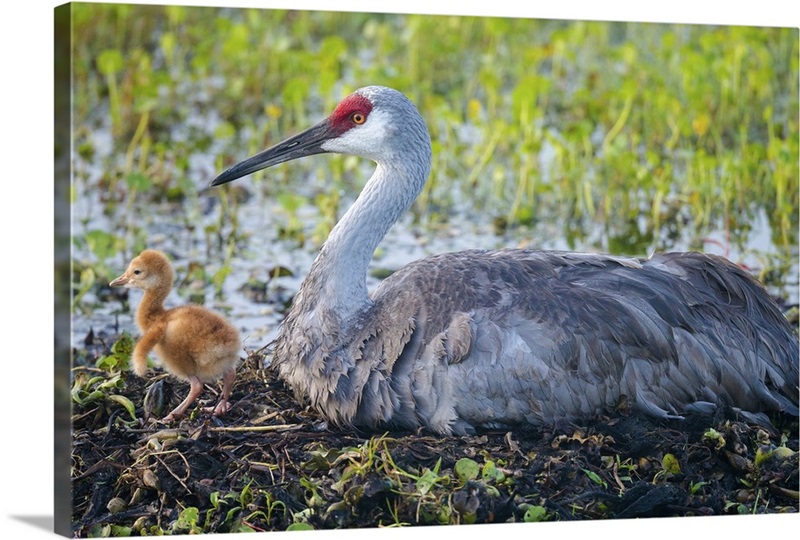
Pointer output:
x,y
329,269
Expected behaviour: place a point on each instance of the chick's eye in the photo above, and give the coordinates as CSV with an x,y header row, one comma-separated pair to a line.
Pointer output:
x,y
358,118
137,272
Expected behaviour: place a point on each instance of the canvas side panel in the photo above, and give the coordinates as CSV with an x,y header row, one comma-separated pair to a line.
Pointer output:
x,y
62,66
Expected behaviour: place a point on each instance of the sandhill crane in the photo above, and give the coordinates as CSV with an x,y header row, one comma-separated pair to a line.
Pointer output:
x,y
487,339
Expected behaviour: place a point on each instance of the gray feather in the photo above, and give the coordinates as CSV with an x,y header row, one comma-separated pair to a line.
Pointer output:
x,y
476,338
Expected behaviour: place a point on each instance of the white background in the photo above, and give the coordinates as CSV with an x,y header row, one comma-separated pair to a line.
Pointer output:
x,y
26,276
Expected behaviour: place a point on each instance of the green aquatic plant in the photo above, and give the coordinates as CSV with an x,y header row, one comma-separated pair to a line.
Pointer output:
x,y
670,466
120,355
624,137
596,478
187,522
106,385
109,63
101,390
466,469
535,513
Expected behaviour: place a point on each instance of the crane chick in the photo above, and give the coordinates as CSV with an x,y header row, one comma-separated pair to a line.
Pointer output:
x,y
193,343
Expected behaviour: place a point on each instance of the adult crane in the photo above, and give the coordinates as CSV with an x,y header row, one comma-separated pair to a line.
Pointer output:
x,y
479,338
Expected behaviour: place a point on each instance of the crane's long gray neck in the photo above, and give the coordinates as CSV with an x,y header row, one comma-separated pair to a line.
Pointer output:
x,y
341,268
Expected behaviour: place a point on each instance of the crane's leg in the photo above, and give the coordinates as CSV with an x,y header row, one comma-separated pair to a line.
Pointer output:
x,y
224,405
195,389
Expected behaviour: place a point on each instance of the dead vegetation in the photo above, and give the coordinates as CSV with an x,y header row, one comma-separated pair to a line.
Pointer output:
x,y
271,464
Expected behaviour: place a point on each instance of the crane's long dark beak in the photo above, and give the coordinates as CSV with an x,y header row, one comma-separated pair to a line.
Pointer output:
x,y
306,143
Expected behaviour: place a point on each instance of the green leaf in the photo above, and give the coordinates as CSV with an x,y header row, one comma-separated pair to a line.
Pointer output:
x,y
125,402
322,459
110,62
237,41
594,477
121,531
715,437
695,487
291,202
225,130
534,514
88,280
95,380
492,491
112,383
93,396
491,472
108,363
187,519
123,346
670,464
466,469
137,181
218,279
103,244
168,42
299,527
120,357
246,496
427,481
175,14
232,513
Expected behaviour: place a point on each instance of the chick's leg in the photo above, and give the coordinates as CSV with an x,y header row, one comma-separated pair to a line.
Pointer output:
x,y
195,389
223,406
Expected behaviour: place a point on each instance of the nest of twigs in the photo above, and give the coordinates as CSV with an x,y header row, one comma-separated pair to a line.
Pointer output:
x,y
273,464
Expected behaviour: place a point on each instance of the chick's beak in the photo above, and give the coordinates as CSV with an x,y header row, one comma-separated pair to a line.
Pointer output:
x,y
306,143
120,281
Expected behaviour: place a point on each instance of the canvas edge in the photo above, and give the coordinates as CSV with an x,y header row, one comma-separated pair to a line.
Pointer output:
x,y
62,71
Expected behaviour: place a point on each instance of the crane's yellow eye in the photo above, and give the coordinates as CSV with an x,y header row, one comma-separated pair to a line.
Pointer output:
x,y
358,118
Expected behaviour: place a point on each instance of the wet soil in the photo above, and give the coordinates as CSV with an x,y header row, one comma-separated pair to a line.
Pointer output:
x,y
271,463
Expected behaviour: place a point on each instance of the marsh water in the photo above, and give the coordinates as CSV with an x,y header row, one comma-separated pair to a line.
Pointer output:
x,y
250,270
